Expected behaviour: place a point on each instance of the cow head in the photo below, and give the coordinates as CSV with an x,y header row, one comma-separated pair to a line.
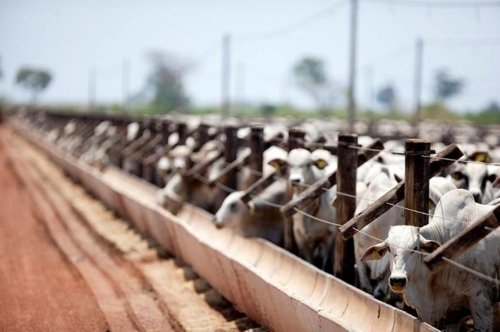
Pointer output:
x,y
405,244
181,158
232,211
302,167
472,177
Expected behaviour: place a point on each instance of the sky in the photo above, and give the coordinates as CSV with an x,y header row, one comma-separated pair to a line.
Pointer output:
x,y
72,38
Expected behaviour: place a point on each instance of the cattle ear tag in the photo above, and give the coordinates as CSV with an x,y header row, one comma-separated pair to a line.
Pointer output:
x,y
275,163
251,209
376,255
321,164
481,157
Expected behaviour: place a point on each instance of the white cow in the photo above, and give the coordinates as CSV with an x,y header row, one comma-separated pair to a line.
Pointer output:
x,y
315,239
436,296
373,275
258,218
180,188
476,178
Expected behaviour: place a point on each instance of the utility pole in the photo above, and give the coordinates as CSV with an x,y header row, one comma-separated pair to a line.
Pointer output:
x,y
125,84
370,87
352,65
419,50
92,88
240,85
226,75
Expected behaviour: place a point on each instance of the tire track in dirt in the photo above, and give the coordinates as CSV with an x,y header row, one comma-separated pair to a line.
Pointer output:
x,y
188,301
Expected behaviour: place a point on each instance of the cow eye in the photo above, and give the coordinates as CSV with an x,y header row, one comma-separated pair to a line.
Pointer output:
x,y
232,206
458,176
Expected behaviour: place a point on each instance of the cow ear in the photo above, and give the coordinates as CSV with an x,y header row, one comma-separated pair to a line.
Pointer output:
x,y
276,163
251,208
458,175
375,252
428,246
335,203
432,205
397,178
321,163
481,157
496,183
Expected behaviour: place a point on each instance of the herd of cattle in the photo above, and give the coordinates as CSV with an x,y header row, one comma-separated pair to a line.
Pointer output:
x,y
389,254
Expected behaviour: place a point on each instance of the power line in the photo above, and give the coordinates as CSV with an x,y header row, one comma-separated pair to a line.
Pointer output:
x,y
465,42
276,32
438,4
214,47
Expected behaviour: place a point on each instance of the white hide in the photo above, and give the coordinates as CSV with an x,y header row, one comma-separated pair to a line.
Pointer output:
x,y
436,295
315,239
373,275
257,218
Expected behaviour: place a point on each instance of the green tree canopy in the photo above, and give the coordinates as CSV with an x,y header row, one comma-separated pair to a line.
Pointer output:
x,y
446,86
165,81
34,80
310,75
387,96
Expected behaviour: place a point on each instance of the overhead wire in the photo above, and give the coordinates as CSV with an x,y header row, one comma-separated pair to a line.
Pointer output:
x,y
438,4
276,32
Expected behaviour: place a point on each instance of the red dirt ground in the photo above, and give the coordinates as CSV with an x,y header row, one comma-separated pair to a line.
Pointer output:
x,y
40,290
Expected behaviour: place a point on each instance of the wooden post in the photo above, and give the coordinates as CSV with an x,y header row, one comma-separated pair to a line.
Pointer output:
x,y
226,75
257,146
165,131
182,131
437,164
418,81
295,139
346,205
231,152
351,93
202,136
417,176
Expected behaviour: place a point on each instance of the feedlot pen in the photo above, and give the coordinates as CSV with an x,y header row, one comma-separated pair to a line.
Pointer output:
x,y
135,288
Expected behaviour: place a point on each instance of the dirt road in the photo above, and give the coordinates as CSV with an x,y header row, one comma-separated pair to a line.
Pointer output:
x,y
40,290
68,264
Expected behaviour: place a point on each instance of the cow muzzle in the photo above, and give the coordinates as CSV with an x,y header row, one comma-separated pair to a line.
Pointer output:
x,y
477,197
217,222
397,284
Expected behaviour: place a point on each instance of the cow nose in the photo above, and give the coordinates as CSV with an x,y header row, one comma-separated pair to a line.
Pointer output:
x,y
399,282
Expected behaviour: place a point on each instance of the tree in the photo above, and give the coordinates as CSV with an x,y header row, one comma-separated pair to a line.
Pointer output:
x,y
387,96
165,81
268,109
310,75
446,86
493,106
34,80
